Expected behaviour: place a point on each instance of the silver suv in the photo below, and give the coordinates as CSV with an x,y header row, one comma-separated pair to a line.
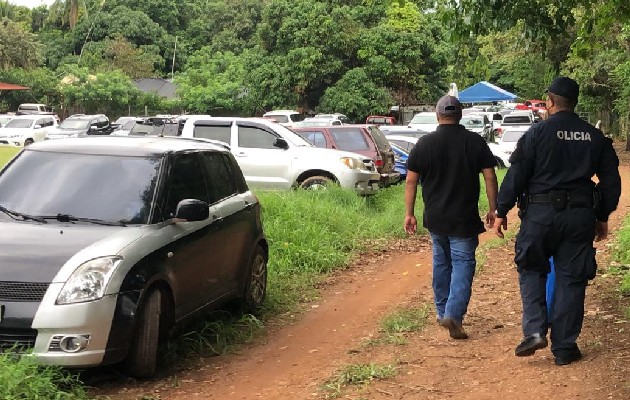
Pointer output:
x,y
106,243
272,156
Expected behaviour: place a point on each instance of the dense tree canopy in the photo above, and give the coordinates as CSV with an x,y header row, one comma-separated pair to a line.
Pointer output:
x,y
352,56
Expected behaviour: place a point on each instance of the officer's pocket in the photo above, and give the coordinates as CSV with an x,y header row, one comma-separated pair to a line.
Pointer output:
x,y
590,264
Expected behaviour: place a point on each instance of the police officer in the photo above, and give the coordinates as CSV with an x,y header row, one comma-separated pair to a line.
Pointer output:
x,y
562,212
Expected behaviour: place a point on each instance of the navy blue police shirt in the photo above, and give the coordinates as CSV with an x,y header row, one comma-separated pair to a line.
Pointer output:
x,y
449,161
562,153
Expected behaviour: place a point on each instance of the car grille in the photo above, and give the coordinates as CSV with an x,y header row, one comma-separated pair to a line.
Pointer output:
x,y
22,291
20,339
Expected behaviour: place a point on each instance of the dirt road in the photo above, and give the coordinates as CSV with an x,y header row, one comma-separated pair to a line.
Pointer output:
x,y
297,359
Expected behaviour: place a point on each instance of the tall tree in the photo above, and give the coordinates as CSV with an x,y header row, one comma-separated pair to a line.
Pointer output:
x,y
67,13
18,47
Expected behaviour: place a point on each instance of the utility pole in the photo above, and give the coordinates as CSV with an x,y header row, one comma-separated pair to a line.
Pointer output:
x,y
173,64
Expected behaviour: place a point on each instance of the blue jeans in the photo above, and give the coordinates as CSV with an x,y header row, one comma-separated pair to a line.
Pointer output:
x,y
453,271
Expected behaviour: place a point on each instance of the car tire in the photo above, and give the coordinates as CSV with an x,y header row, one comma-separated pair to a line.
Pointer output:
x,y
256,282
316,183
141,360
28,142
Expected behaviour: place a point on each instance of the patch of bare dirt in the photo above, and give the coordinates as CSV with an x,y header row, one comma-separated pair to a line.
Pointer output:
x,y
295,360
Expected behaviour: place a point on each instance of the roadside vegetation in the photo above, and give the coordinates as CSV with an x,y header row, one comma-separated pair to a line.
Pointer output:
x,y
6,153
357,374
622,265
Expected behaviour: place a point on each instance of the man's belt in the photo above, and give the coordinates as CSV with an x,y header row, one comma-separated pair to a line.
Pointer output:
x,y
560,199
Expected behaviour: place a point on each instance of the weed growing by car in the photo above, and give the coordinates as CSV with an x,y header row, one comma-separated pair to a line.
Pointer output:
x,y
23,378
312,233
357,374
6,154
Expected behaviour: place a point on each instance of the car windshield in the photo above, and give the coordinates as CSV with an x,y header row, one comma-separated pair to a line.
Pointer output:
x,y
512,136
106,187
154,128
75,124
424,119
472,122
291,136
123,120
19,123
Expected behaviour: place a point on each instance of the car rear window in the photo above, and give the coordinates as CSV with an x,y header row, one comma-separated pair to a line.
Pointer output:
x,y
29,108
281,119
517,119
350,139
315,138
512,136
220,133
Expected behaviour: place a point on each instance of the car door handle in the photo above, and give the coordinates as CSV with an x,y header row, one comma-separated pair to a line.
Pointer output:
x,y
241,154
216,219
248,205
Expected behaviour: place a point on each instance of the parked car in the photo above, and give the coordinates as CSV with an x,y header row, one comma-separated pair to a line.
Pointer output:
x,y
92,277
81,125
401,131
510,137
36,109
379,120
317,122
404,142
519,120
123,127
341,117
4,118
366,140
155,126
284,117
272,156
401,156
25,130
426,121
479,123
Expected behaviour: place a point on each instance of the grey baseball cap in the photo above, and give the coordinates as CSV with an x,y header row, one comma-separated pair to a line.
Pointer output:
x,y
449,106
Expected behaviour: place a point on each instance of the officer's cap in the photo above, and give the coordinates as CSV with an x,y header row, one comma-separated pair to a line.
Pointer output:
x,y
449,106
565,87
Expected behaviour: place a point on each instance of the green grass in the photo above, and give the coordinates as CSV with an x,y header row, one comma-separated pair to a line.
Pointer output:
x,y
312,233
396,325
357,374
23,379
621,255
7,153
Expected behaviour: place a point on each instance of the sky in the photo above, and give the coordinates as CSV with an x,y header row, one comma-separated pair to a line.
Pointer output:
x,y
31,3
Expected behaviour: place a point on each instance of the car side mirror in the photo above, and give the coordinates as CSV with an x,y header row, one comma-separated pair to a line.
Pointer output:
x,y
192,210
281,143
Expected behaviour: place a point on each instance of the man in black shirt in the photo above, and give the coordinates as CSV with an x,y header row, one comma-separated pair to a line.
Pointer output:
x,y
562,212
447,162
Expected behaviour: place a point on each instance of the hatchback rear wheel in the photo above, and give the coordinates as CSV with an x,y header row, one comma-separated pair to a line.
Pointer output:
x,y
256,285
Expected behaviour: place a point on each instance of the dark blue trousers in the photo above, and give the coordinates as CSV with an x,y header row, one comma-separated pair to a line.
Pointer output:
x,y
567,236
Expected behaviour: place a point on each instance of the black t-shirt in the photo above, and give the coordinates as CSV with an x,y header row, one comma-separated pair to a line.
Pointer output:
x,y
449,161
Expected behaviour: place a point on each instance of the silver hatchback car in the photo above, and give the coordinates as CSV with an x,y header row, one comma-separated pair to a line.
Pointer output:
x,y
106,243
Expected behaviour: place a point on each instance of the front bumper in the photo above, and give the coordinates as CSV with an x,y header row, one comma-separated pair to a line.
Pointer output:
x,y
91,319
363,182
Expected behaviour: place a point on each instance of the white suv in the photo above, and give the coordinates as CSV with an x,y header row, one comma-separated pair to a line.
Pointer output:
x,y
284,117
272,156
26,129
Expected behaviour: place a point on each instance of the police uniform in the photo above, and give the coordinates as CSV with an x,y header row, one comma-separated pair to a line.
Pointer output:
x,y
551,172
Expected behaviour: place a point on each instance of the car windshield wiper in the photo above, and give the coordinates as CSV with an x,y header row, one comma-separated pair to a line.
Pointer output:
x,y
72,218
16,215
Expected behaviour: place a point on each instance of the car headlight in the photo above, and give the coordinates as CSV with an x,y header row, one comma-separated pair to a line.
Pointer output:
x,y
353,163
89,280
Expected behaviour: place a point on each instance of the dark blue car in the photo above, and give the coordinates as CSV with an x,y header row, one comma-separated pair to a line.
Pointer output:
x,y
400,158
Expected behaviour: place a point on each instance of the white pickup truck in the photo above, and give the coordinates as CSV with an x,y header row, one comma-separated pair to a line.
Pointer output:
x,y
516,120
272,156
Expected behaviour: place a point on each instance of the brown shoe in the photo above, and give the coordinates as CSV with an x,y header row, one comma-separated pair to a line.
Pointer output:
x,y
455,328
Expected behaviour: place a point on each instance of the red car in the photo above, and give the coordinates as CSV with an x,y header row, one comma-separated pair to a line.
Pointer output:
x,y
380,120
366,140
534,105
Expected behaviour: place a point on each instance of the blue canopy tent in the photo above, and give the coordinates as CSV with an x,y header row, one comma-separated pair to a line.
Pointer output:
x,y
484,92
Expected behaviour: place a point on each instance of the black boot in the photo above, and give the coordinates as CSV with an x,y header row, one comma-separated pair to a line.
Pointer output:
x,y
530,344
